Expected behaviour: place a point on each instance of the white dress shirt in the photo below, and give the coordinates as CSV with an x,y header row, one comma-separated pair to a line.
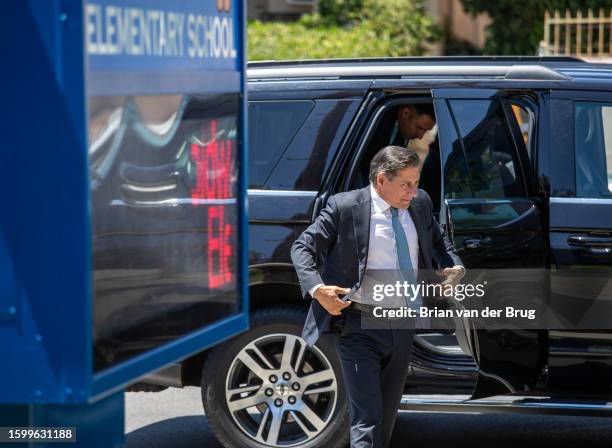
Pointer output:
x,y
382,252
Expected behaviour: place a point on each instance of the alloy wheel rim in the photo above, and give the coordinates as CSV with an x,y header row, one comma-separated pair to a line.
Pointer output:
x,y
279,391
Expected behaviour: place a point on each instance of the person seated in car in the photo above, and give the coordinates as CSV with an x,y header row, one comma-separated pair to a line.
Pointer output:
x,y
414,128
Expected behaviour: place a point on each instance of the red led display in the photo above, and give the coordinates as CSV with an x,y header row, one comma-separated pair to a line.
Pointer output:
x,y
214,161
219,248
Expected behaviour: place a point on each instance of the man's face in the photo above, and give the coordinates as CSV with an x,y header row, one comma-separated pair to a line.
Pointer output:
x,y
412,125
399,191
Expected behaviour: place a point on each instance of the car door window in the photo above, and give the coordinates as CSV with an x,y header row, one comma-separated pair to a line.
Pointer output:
x,y
484,162
309,154
593,146
483,174
524,120
272,126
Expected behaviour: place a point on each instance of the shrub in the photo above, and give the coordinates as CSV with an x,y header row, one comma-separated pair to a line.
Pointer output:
x,y
364,28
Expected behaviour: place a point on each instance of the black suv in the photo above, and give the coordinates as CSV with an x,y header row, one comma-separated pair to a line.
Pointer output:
x,y
520,172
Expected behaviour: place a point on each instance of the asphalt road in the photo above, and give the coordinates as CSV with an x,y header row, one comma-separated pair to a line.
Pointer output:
x,y
174,418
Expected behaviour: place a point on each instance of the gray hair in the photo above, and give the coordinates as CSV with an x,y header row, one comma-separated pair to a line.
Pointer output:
x,y
392,159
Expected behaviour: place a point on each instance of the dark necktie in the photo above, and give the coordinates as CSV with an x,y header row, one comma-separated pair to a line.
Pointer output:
x,y
403,254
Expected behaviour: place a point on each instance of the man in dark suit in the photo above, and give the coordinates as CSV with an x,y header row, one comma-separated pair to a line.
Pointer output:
x,y
386,225
409,126
413,122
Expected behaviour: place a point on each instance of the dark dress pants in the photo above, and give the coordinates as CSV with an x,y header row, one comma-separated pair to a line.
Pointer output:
x,y
374,367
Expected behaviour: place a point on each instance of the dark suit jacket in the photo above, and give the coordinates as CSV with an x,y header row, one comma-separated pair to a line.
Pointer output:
x,y
333,250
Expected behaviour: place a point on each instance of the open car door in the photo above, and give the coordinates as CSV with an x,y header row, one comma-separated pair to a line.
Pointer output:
x,y
490,211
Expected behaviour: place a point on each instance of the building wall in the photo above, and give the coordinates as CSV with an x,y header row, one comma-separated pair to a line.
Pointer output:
x,y
465,26
461,24
278,9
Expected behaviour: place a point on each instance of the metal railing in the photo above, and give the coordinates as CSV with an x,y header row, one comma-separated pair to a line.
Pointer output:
x,y
574,34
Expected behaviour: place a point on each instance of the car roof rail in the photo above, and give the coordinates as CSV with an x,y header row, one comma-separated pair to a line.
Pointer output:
x,y
517,72
535,73
420,60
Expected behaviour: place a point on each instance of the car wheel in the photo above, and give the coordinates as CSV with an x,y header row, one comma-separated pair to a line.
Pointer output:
x,y
267,388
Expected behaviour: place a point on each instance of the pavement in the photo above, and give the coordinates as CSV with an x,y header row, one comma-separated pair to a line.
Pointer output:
x,y
175,418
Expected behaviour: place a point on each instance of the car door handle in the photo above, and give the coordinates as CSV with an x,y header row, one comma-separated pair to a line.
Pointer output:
x,y
595,245
589,241
477,243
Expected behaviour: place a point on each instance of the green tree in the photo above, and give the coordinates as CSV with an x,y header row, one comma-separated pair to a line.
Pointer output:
x,y
341,12
345,28
518,27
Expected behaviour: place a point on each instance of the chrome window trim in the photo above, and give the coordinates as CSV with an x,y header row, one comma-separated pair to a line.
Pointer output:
x,y
578,201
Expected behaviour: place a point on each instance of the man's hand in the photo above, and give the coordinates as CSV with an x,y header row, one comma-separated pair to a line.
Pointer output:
x,y
328,298
452,275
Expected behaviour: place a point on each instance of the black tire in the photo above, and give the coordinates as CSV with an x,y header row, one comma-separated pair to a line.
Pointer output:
x,y
145,387
266,322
